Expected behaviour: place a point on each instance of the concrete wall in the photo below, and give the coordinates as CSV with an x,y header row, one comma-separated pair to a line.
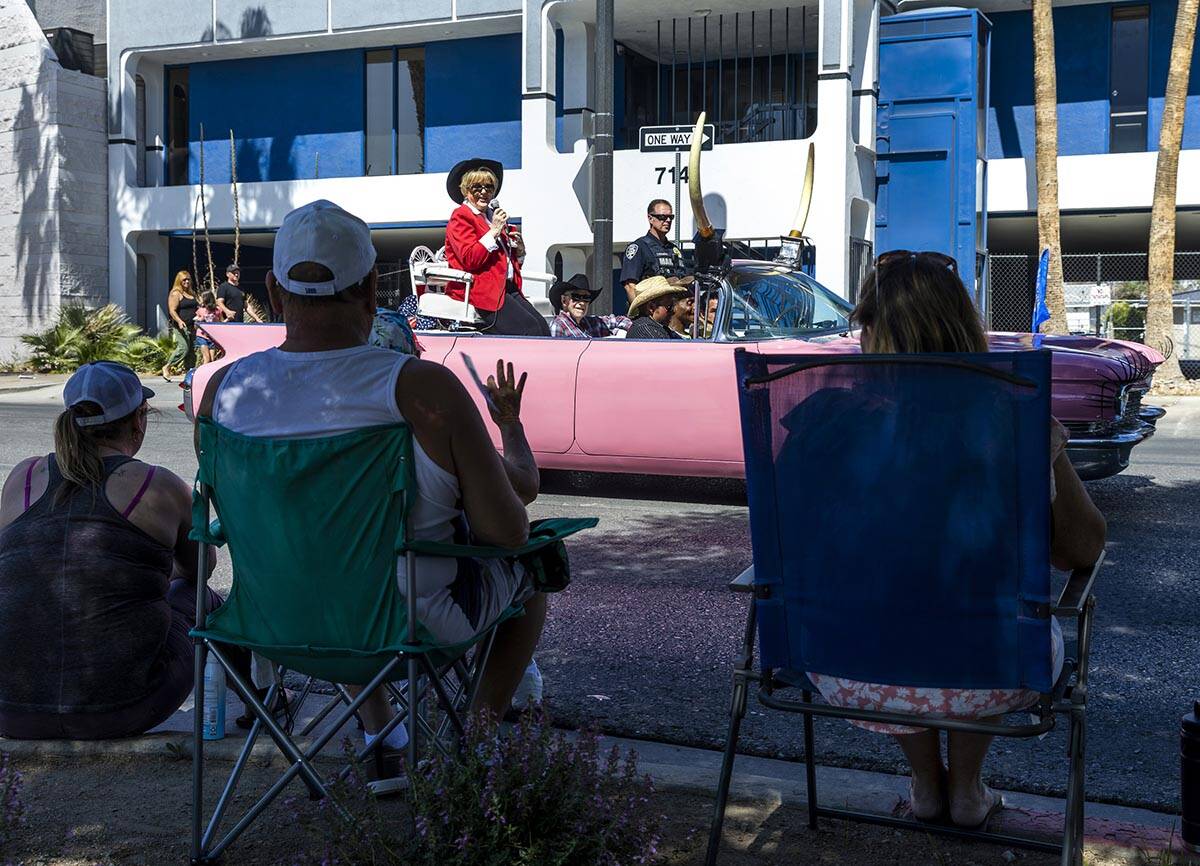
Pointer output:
x,y
1081,40
53,183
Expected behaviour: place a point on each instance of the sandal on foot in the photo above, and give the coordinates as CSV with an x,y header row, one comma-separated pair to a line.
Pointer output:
x,y
938,817
996,805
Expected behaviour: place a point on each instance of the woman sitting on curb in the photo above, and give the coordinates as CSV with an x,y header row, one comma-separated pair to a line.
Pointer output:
x,y
915,302
97,574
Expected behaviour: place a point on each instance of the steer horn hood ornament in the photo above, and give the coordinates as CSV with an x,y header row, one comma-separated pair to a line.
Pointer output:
x,y
801,219
711,251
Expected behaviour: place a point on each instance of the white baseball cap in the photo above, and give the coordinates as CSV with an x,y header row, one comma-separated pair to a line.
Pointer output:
x,y
111,386
323,233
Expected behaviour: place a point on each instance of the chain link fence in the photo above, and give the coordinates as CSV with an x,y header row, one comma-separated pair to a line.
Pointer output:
x,y
1105,295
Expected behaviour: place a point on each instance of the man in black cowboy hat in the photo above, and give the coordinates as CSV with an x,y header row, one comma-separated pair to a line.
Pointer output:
x,y
572,300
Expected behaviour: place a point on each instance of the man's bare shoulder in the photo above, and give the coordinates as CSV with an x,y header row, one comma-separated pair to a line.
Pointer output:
x,y
428,392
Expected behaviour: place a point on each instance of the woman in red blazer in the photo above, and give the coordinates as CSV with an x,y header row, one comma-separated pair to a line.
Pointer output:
x,y
479,240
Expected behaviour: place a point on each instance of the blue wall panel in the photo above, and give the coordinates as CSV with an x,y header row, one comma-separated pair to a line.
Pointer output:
x,y
286,112
473,101
1162,31
1081,36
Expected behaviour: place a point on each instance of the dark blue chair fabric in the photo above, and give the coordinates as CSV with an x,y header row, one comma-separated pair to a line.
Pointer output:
x,y
900,515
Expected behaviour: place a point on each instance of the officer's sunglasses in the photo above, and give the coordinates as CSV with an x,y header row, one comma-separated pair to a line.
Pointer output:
x,y
663,217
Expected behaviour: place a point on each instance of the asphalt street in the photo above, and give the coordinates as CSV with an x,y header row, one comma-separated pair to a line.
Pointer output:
x,y
641,643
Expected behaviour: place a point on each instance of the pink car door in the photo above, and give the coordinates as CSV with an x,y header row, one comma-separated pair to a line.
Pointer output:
x,y
658,399
548,404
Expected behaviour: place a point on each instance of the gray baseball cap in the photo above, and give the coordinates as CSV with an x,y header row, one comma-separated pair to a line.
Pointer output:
x,y
113,387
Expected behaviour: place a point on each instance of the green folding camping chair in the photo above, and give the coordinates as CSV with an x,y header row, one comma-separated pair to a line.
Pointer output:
x,y
314,528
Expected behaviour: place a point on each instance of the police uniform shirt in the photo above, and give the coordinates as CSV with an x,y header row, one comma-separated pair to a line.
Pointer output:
x,y
648,256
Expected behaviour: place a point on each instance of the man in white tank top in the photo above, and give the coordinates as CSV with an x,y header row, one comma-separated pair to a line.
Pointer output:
x,y
324,379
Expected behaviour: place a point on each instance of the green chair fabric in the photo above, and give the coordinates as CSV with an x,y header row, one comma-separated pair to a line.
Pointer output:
x,y
314,528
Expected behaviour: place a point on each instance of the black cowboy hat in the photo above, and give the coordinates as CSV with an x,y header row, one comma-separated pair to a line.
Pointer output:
x,y
454,179
578,282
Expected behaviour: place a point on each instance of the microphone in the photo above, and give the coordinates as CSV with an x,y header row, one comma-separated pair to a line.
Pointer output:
x,y
492,207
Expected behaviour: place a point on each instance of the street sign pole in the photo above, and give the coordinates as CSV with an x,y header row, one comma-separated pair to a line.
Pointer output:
x,y
602,152
678,157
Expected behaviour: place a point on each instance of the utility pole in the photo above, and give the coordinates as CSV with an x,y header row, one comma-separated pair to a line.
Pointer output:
x,y
602,151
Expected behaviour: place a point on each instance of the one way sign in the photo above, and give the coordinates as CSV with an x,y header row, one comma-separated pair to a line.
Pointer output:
x,y
672,139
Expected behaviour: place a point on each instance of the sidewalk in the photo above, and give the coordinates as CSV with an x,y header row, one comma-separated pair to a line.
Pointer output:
x,y
688,770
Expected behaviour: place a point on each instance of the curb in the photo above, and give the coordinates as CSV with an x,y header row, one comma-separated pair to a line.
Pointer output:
x,y
694,771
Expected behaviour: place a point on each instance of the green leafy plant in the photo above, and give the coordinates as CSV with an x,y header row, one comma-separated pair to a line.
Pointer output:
x,y
1128,322
525,796
81,335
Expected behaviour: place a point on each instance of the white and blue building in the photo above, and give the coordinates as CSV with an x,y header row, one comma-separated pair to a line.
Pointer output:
x,y
369,104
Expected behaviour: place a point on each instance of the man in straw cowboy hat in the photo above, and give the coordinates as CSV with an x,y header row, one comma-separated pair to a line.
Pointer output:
x,y
653,305
572,300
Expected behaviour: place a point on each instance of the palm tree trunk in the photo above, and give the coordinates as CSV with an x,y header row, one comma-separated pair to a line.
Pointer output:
x,y
1160,326
1045,111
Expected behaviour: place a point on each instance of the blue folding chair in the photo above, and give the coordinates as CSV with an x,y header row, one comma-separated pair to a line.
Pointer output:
x,y
921,558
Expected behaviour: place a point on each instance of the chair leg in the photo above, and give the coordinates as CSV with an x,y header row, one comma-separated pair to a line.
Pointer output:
x,y
1073,829
736,714
737,711
198,752
810,764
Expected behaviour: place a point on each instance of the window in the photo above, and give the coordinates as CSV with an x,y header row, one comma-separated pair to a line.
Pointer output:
x,y
773,302
1129,79
754,73
139,90
395,112
177,126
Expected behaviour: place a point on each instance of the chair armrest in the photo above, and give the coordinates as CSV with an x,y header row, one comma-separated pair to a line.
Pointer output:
x,y
1075,595
744,582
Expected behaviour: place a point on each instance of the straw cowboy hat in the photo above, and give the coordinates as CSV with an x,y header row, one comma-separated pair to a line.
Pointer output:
x,y
656,287
454,179
579,283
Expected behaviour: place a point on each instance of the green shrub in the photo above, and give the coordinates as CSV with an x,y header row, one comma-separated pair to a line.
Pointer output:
x,y
1128,322
526,796
81,335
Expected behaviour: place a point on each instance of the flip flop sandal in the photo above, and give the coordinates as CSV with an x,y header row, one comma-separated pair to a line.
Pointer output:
x,y
938,817
997,804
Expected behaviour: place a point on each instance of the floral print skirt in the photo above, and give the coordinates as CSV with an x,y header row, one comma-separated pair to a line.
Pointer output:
x,y
926,701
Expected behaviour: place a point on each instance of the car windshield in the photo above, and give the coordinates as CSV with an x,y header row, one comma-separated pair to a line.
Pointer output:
x,y
772,301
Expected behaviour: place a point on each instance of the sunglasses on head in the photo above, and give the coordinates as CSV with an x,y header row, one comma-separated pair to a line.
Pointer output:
x,y
664,217
894,257
482,187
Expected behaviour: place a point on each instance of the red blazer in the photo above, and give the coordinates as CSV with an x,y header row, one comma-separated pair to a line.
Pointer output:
x,y
466,253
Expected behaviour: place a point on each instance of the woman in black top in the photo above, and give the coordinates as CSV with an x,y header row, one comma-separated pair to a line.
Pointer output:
x,y
97,574
182,304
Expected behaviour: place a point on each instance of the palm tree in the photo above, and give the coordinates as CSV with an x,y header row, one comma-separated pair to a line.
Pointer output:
x,y
1159,322
1045,112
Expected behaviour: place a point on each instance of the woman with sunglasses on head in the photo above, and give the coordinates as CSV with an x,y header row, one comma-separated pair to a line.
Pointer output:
x,y
915,302
480,241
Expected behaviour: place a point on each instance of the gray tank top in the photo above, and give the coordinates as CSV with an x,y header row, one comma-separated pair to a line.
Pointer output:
x,y
83,610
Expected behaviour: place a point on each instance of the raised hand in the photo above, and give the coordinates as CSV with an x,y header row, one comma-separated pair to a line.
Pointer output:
x,y
505,391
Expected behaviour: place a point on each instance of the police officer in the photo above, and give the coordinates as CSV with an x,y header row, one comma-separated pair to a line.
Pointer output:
x,y
654,253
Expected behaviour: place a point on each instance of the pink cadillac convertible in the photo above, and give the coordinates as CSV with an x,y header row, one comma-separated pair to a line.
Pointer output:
x,y
670,407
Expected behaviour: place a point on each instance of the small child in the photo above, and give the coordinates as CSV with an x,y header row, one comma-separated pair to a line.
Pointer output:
x,y
207,312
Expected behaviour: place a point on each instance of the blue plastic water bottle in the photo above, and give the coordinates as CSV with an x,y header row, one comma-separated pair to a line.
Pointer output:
x,y
214,699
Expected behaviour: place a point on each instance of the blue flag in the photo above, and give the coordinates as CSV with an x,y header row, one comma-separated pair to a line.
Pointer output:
x,y
1040,311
